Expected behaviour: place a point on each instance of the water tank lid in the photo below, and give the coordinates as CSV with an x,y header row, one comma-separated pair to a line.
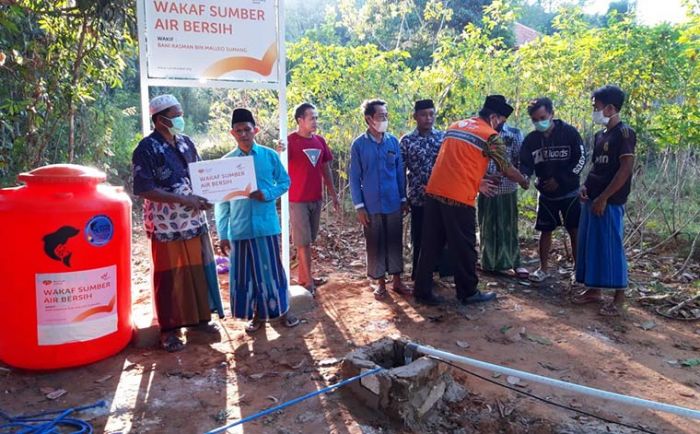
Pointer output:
x,y
63,173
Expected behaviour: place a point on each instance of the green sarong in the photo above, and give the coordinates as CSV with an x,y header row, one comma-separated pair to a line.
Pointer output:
x,y
498,232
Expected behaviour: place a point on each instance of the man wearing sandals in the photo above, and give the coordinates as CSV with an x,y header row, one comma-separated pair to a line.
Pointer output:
x,y
601,252
377,186
555,153
309,166
185,286
249,230
498,213
450,213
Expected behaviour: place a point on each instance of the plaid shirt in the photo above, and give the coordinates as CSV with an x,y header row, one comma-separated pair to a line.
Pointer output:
x,y
419,154
513,139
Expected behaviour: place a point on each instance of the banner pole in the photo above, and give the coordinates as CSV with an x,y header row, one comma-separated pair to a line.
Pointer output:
x,y
143,66
282,96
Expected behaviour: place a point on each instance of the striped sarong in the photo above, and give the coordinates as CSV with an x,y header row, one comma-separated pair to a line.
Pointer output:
x,y
258,280
600,258
185,285
498,232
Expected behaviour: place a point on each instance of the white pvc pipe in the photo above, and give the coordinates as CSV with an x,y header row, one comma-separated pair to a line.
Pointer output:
x,y
571,387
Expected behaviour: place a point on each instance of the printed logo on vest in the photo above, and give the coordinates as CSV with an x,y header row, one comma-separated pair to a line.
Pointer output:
x,y
313,155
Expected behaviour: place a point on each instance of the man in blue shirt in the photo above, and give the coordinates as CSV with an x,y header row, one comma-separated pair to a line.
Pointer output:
x,y
249,229
378,190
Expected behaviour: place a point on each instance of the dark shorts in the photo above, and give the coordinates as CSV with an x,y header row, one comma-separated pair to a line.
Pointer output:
x,y
560,212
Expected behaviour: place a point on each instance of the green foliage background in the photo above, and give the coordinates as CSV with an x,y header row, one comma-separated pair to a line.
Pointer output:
x,y
70,83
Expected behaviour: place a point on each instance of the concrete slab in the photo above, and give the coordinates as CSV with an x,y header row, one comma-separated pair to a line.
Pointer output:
x,y
300,300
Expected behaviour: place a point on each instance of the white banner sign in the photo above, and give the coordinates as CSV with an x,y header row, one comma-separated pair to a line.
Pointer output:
x,y
224,179
212,39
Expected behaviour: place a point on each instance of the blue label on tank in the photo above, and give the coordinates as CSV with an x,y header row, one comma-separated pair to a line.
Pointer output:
x,y
99,230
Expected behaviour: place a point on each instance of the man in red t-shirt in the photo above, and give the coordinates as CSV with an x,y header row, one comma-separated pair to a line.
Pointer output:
x,y
309,165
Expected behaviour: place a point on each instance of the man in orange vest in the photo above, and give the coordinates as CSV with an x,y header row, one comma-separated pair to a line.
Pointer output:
x,y
450,213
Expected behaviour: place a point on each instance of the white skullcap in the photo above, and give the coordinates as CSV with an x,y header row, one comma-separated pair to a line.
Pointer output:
x,y
162,102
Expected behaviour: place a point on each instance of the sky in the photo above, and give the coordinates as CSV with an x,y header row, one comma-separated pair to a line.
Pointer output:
x,y
648,11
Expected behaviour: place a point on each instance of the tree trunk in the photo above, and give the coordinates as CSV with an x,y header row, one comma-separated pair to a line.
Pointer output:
x,y
80,52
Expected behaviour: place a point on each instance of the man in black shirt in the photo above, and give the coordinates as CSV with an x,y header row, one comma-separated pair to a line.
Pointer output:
x,y
602,264
554,152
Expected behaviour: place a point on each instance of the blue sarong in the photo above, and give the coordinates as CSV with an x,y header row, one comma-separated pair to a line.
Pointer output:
x,y
600,259
257,279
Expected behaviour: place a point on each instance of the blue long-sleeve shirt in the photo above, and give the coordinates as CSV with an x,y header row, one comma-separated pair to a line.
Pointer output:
x,y
245,219
376,174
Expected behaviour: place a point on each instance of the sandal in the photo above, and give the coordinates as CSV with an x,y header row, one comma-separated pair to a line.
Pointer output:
x,y
610,309
172,343
539,276
586,298
521,273
253,326
291,321
211,328
401,289
380,293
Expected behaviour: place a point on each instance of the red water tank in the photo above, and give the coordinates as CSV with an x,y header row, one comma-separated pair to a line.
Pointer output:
x,y
65,297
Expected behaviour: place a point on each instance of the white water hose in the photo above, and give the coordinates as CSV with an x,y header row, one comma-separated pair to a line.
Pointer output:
x,y
584,390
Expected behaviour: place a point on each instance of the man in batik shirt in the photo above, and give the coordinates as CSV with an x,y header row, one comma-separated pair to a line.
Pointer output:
x,y
419,150
185,285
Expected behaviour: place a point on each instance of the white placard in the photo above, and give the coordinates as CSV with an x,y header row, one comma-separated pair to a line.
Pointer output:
x,y
76,306
225,179
212,39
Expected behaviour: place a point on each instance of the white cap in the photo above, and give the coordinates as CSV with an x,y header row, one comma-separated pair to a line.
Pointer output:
x,y
161,102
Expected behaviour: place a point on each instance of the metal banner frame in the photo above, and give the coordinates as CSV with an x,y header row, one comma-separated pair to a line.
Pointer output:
x,y
280,86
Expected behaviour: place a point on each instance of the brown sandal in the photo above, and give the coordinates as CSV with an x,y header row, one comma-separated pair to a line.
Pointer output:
x,y
380,293
610,309
585,298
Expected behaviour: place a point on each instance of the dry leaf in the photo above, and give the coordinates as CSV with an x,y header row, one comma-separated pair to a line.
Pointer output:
x,y
329,362
647,325
539,339
103,379
56,394
513,381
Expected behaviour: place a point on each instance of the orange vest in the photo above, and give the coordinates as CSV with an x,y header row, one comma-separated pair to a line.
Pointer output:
x,y
461,162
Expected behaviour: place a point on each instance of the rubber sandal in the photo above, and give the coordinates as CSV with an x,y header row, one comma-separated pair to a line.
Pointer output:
x,y
583,298
172,343
610,310
291,321
521,273
253,326
539,276
380,293
403,290
211,328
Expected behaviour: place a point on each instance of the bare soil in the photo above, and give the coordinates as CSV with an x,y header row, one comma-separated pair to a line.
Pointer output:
x,y
536,329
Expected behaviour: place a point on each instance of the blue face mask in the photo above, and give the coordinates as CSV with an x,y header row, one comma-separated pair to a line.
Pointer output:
x,y
543,126
178,125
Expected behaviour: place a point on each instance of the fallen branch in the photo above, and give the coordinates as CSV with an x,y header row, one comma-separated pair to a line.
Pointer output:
x,y
680,306
690,255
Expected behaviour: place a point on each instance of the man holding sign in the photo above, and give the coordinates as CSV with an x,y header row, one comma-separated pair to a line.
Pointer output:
x,y
185,287
249,230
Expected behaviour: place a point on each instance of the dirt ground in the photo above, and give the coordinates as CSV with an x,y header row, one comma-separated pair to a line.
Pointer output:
x,y
536,329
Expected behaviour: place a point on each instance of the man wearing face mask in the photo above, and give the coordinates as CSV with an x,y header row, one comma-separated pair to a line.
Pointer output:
x,y
601,253
377,186
185,284
554,152
450,213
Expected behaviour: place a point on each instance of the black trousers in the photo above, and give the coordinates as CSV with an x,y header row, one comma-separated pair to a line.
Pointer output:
x,y
455,225
445,264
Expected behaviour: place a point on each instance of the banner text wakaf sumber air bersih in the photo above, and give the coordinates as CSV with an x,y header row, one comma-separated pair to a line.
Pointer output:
x,y
201,10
